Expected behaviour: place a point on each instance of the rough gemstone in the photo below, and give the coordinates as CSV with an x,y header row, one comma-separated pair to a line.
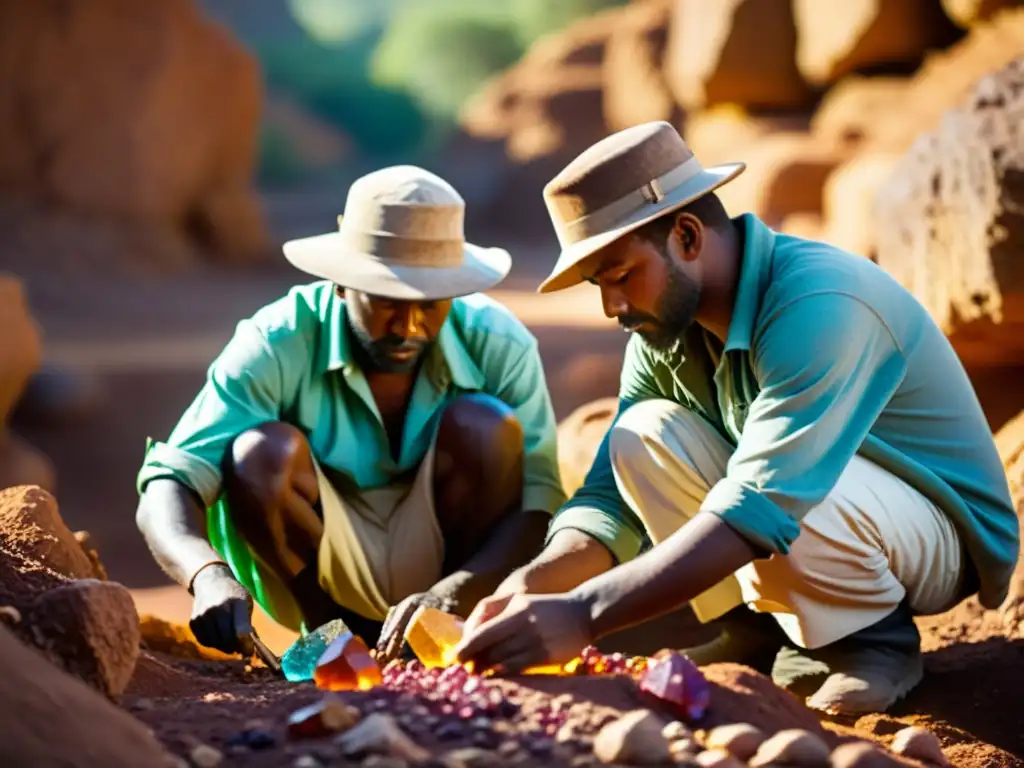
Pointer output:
x,y
433,634
321,718
675,680
347,665
299,661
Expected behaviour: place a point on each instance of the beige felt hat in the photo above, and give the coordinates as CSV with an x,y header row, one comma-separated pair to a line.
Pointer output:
x,y
401,236
618,185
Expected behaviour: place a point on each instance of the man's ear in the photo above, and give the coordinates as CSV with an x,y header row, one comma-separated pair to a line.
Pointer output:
x,y
687,238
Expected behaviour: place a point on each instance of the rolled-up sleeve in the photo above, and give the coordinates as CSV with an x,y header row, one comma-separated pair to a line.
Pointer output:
x,y
242,390
524,389
827,365
597,508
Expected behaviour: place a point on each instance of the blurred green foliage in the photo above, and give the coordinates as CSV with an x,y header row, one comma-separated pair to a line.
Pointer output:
x,y
393,74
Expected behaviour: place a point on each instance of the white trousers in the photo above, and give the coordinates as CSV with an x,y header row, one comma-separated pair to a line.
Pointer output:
x,y
872,542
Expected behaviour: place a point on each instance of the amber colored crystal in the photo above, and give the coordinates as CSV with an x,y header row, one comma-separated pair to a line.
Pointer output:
x,y
433,634
346,665
322,718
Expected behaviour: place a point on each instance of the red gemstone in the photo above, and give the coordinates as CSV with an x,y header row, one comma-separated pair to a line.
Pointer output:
x,y
347,665
672,678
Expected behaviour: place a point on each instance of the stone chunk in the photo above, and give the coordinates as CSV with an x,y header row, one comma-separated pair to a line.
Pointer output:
x,y
322,718
919,743
672,679
792,747
863,754
91,629
633,739
969,12
299,660
739,739
379,734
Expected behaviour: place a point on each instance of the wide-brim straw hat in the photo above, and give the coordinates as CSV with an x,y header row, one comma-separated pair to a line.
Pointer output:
x,y
401,236
619,184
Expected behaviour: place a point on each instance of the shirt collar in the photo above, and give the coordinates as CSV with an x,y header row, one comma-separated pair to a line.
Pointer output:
x,y
448,360
755,275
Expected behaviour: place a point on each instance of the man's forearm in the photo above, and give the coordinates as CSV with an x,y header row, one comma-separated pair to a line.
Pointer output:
x,y
569,559
692,560
172,521
516,539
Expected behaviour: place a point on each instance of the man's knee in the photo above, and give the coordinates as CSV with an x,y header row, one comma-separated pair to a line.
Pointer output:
x,y
264,459
638,432
478,426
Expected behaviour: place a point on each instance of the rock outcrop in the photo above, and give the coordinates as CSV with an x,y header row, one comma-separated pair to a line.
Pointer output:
x,y
948,220
735,52
862,35
52,579
62,722
138,112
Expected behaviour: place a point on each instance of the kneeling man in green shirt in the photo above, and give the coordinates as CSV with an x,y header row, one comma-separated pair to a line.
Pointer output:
x,y
374,441
795,436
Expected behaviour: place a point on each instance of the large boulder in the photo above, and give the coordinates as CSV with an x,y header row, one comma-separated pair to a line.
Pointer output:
x,y
143,112
735,52
62,722
835,39
38,551
948,221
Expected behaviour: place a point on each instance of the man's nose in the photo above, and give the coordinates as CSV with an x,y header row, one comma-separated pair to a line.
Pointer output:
x,y
613,303
409,323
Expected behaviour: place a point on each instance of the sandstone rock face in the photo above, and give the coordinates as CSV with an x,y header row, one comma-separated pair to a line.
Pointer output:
x,y
722,134
735,51
91,629
786,172
858,34
61,721
949,223
968,12
635,89
848,201
853,107
37,550
579,437
144,112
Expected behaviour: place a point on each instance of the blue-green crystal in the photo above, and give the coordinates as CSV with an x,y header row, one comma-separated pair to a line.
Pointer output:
x,y
299,661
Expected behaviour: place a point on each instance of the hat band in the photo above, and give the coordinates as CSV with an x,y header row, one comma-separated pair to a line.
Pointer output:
x,y
403,251
615,213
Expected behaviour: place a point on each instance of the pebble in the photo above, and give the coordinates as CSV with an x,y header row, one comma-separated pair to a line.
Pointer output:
x,y
379,734
449,730
919,743
676,730
718,758
636,739
205,756
253,739
10,614
509,748
307,761
142,705
863,755
739,739
540,747
471,757
384,761
794,747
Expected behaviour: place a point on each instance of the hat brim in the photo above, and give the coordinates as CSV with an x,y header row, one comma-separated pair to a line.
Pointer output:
x,y
567,269
326,256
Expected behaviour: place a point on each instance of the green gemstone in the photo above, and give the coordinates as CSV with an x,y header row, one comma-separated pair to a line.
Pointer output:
x,y
299,661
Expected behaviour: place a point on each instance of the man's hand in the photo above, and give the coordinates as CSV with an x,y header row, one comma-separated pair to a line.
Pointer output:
x,y
532,630
221,612
392,634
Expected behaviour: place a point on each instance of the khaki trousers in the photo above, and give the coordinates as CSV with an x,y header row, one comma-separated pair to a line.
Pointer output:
x,y
873,541
378,547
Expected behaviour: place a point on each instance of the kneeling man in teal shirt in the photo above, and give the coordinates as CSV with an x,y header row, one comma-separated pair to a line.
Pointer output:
x,y
796,437
375,441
